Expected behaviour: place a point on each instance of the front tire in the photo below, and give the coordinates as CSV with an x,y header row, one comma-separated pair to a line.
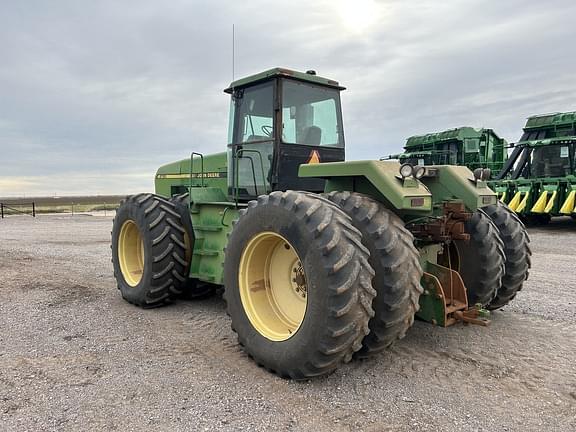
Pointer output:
x,y
148,250
297,284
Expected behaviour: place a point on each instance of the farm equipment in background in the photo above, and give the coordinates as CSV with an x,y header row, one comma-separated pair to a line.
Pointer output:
x,y
321,259
539,178
473,148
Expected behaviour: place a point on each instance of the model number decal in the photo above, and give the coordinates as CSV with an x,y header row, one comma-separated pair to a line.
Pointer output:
x,y
211,174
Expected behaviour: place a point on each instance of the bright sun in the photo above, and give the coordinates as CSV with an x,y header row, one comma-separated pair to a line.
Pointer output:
x,y
358,15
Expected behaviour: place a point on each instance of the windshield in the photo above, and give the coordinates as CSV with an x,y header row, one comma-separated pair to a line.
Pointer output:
x,y
552,161
311,115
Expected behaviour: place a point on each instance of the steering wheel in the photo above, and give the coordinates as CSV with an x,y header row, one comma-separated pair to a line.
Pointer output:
x,y
267,130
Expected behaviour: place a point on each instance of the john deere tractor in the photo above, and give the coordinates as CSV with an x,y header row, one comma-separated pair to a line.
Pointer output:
x,y
321,259
539,178
474,148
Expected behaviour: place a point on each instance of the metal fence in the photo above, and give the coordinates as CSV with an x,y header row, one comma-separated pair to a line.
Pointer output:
x,y
6,209
69,208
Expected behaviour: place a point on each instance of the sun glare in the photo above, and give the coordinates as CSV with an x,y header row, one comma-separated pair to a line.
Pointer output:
x,y
358,15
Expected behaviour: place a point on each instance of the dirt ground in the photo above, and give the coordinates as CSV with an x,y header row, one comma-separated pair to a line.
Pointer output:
x,y
75,356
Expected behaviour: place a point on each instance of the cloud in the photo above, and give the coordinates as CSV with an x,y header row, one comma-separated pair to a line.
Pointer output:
x,y
105,92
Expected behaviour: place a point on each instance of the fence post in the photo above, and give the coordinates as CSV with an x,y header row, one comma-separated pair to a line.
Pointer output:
x,y
33,209
2,210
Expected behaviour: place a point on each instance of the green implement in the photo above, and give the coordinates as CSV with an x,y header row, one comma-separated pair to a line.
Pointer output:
x,y
473,148
539,179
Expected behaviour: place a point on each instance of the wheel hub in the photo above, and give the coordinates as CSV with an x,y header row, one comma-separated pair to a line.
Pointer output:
x,y
299,279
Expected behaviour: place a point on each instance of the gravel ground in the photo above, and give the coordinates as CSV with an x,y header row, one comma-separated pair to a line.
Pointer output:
x,y
75,356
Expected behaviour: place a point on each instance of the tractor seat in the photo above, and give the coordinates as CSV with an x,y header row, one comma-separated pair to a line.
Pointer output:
x,y
313,135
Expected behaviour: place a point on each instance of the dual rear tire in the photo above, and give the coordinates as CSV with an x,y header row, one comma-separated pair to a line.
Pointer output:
x,y
338,242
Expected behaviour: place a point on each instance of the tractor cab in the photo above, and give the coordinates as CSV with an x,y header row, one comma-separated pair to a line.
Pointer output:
x,y
545,150
280,119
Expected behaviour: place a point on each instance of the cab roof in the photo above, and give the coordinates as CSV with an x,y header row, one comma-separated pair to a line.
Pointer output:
x,y
309,76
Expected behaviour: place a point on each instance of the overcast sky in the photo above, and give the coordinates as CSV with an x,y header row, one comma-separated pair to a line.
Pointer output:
x,y
95,95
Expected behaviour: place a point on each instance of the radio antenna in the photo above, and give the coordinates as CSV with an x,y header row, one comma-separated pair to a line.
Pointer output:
x,y
233,51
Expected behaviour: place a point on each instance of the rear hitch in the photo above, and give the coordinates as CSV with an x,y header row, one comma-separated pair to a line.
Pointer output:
x,y
474,315
444,301
448,227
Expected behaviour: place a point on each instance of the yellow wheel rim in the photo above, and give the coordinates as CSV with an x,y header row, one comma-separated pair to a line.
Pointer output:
x,y
273,287
131,253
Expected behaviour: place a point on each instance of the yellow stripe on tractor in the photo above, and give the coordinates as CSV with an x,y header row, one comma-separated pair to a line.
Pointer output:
x,y
503,196
568,206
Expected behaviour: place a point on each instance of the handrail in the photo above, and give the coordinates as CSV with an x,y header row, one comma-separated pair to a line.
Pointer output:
x,y
192,165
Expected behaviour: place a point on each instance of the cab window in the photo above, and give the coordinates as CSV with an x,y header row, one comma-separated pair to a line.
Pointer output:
x,y
311,115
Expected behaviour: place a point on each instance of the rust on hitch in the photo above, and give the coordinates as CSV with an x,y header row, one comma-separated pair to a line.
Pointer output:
x,y
450,226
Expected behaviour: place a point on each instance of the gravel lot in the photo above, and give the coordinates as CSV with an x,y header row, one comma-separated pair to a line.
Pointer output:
x,y
75,356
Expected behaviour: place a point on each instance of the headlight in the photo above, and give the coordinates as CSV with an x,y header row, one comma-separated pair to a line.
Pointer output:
x,y
406,170
478,173
418,171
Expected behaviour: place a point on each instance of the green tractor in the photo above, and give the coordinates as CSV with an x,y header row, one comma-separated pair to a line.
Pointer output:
x,y
321,260
474,148
539,178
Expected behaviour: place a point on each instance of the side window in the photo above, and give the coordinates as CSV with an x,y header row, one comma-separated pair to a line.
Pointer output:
x,y
254,168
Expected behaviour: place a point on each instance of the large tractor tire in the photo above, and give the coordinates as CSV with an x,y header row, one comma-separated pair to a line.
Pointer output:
x,y
480,260
516,250
297,284
192,289
148,250
395,261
